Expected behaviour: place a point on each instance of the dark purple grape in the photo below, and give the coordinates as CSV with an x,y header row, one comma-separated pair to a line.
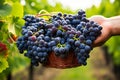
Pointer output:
x,y
60,14
59,33
47,38
82,46
82,51
49,25
81,12
57,39
56,50
88,42
61,50
71,41
30,33
77,43
65,27
75,22
64,15
52,43
87,48
33,38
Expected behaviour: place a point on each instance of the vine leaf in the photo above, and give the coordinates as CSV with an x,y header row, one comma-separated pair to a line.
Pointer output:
x,y
17,10
5,9
3,64
20,61
2,1
18,26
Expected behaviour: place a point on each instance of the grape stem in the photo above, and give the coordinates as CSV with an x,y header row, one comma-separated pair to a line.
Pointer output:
x,y
11,38
40,15
43,11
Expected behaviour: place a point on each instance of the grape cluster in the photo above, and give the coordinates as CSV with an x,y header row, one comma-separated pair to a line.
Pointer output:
x,y
62,33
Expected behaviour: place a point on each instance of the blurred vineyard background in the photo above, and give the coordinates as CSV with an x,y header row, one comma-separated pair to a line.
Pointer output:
x,y
104,63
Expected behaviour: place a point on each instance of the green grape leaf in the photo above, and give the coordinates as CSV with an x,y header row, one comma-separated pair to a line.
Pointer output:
x,y
17,29
18,62
5,10
1,23
18,26
116,57
17,10
3,64
1,36
2,1
4,32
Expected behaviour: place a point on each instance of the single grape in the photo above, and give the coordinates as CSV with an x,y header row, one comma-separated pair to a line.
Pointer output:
x,y
88,42
77,43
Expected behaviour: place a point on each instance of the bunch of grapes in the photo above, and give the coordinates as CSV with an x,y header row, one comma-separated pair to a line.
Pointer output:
x,y
60,34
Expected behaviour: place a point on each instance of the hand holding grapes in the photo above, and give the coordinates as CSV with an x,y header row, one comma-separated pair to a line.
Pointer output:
x,y
111,27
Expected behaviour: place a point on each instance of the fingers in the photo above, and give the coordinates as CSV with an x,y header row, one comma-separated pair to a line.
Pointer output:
x,y
98,42
105,35
98,19
106,31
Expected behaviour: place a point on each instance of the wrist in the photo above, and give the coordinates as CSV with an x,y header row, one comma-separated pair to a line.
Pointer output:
x,y
107,26
114,24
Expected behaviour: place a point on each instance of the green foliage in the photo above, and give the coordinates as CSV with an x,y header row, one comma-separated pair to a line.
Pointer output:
x,y
3,64
79,73
114,49
5,9
17,62
17,10
17,26
34,6
11,14
2,1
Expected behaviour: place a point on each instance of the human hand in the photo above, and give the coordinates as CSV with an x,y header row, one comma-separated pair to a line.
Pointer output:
x,y
106,30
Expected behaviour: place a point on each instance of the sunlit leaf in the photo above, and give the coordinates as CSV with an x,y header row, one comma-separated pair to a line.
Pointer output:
x,y
2,1
5,9
17,10
18,26
3,64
